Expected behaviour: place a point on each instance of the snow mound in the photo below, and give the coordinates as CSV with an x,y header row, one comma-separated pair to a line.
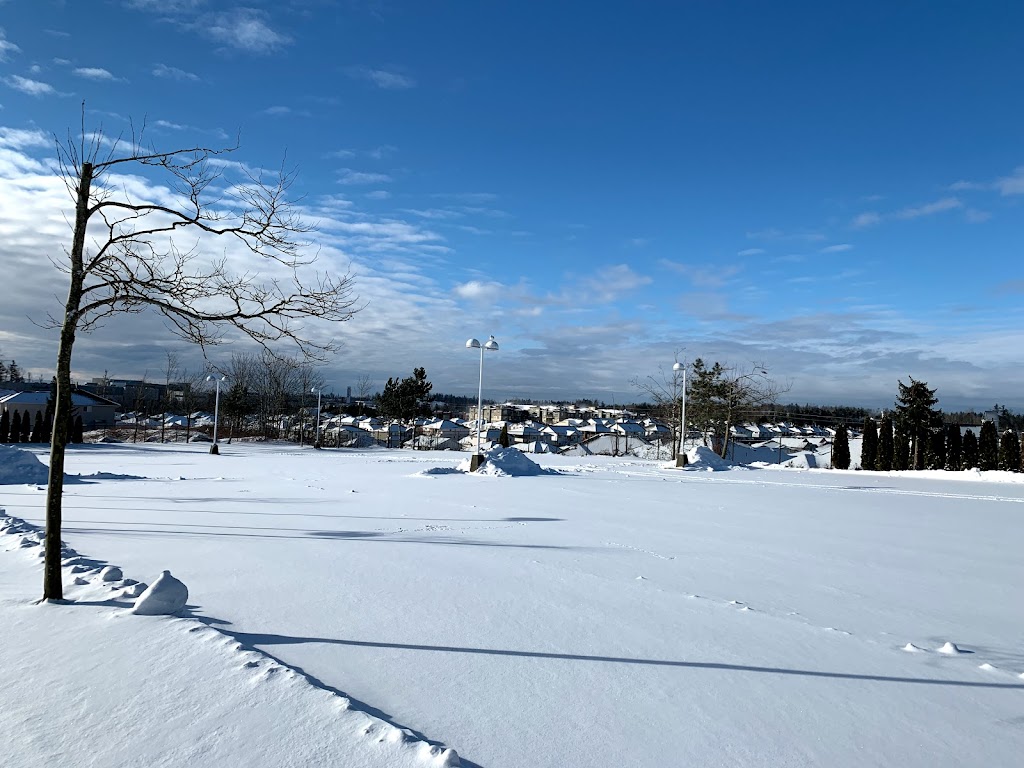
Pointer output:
x,y
911,648
164,597
803,460
950,649
505,462
111,573
18,467
703,458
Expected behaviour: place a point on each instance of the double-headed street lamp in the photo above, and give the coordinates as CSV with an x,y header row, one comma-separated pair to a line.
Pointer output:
x,y
216,409
316,433
681,453
492,346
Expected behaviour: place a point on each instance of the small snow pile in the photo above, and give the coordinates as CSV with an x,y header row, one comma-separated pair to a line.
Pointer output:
x,y
111,573
703,458
505,462
18,467
911,648
803,460
164,597
950,649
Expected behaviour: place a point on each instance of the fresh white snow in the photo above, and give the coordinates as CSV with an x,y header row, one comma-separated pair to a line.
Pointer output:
x,y
614,612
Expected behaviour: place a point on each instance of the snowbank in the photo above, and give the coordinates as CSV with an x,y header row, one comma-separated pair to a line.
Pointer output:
x,y
505,462
19,467
703,458
165,597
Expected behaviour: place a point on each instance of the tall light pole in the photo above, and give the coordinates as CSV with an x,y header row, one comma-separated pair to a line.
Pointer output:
x,y
316,433
492,346
681,453
216,410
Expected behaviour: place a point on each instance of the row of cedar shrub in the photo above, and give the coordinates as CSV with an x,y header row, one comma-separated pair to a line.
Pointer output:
x,y
17,428
887,446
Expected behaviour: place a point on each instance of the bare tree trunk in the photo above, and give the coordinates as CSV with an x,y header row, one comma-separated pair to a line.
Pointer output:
x,y
53,586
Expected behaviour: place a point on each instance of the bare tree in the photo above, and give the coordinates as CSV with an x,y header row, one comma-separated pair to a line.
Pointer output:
x,y
132,263
170,373
667,391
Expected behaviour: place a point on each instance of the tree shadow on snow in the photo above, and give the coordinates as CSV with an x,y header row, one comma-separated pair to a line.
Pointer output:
x,y
256,640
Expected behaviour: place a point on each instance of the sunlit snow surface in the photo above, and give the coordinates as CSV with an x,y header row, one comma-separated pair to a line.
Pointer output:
x,y
616,613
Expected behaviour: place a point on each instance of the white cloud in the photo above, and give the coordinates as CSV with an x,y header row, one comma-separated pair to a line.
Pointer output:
x,y
173,73
93,73
480,291
349,176
868,219
6,46
975,216
1012,184
246,29
31,87
837,248
387,79
440,214
164,6
277,110
378,194
751,252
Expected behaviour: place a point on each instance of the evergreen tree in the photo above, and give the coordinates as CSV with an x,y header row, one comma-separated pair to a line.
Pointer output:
x,y
3,371
5,426
915,410
78,433
900,448
883,459
988,447
970,450
1009,451
404,398
14,374
869,445
37,428
16,427
841,449
503,437
26,427
954,448
937,449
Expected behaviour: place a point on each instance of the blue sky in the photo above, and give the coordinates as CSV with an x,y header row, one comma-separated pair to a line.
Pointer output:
x,y
831,190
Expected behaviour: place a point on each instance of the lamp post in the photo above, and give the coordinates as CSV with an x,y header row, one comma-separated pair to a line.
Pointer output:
x,y
492,346
681,453
316,432
216,410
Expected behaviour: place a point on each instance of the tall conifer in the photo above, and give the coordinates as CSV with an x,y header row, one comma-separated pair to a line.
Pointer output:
x,y
988,447
883,459
954,448
1009,451
869,445
970,450
841,449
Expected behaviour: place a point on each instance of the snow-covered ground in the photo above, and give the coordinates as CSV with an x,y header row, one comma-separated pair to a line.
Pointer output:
x,y
617,612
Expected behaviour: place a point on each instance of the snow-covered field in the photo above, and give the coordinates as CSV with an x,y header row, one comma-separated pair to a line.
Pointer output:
x,y
616,612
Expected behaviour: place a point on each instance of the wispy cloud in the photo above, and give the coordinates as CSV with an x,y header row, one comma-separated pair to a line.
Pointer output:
x,y
6,46
975,216
57,33
349,176
164,6
609,283
31,87
873,218
928,209
1013,184
837,248
173,73
378,194
94,73
702,275
389,80
434,213
751,252
245,29
773,233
